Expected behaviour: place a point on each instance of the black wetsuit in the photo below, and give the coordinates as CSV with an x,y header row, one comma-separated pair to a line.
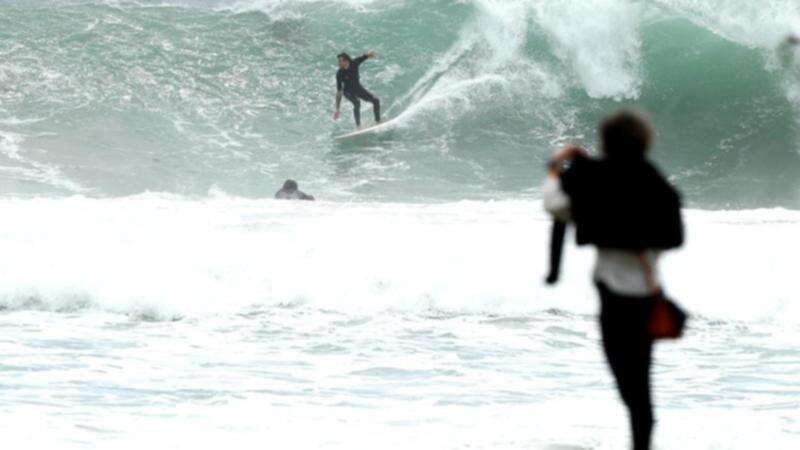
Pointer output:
x,y
287,194
347,81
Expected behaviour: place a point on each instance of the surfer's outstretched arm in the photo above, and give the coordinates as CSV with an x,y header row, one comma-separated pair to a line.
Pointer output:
x,y
370,54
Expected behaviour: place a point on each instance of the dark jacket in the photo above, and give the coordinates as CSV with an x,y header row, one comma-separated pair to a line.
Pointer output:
x,y
623,204
347,80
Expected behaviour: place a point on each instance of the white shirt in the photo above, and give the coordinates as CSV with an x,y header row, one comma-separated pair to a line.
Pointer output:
x,y
621,270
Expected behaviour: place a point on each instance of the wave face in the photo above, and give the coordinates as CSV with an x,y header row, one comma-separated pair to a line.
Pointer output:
x,y
115,98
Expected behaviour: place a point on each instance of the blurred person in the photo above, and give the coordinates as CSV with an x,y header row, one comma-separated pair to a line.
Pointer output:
x,y
622,205
291,191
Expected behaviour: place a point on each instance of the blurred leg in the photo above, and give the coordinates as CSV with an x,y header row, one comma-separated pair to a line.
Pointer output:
x,y
628,349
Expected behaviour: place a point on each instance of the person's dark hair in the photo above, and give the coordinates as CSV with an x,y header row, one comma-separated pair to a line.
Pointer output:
x,y
626,134
290,185
345,56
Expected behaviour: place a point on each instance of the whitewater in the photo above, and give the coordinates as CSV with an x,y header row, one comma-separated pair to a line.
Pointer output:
x,y
152,294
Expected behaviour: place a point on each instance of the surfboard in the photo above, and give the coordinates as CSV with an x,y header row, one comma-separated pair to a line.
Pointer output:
x,y
372,129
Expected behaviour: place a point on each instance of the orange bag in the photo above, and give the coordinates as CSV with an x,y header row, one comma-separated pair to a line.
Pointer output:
x,y
667,320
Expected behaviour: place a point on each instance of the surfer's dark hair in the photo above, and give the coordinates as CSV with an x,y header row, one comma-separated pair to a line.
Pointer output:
x,y
626,134
290,185
345,56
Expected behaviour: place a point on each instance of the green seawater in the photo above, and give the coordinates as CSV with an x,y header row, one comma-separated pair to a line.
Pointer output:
x,y
111,99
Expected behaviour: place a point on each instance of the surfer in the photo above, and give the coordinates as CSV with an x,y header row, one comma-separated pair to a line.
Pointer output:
x,y
788,53
787,50
348,84
291,191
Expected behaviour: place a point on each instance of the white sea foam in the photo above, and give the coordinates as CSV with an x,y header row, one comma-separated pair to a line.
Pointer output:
x,y
166,322
760,24
218,256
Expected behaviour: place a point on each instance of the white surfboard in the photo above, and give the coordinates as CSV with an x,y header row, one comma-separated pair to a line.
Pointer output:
x,y
372,129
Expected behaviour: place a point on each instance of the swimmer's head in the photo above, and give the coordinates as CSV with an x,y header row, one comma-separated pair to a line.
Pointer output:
x,y
290,185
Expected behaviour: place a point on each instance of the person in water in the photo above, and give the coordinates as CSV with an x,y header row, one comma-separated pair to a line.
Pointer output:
x,y
787,50
349,85
291,191
625,207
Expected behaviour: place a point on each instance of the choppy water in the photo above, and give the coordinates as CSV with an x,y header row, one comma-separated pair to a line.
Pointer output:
x,y
117,99
146,321
151,293
301,378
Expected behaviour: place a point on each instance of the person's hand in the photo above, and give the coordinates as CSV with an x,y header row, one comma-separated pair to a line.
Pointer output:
x,y
567,153
370,54
336,115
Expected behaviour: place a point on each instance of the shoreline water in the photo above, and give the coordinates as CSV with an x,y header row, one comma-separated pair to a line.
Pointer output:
x,y
315,378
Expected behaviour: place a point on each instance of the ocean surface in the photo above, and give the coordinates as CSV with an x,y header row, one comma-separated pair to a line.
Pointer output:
x,y
153,295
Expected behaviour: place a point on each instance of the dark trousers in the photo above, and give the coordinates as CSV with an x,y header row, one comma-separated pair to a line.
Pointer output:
x,y
355,96
628,348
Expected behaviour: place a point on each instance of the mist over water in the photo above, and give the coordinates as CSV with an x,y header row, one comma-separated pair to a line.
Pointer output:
x,y
117,98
